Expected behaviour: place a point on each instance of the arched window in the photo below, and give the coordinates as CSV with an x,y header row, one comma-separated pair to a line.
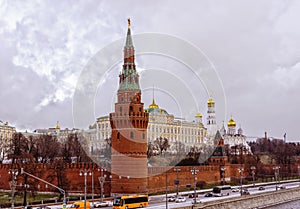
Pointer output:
x,y
118,135
131,135
143,135
130,109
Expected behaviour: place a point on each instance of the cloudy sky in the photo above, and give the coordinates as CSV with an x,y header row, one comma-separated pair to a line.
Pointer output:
x,y
254,46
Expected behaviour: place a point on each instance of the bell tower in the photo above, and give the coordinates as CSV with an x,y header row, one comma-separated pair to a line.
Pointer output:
x,y
211,117
129,130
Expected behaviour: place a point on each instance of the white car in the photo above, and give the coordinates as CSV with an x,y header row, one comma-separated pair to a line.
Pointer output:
x,y
235,190
197,201
180,199
172,199
102,204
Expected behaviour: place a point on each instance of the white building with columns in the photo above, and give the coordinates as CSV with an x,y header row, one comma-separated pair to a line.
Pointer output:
x,y
161,124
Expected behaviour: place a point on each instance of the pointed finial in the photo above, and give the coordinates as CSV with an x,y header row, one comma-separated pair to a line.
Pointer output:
x,y
153,92
153,105
128,22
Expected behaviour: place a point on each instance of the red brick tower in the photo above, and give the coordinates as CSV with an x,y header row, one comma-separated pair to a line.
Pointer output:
x,y
129,130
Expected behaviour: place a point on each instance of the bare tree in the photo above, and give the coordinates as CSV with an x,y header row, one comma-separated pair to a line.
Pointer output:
x,y
58,173
162,144
18,151
180,148
150,150
74,147
47,148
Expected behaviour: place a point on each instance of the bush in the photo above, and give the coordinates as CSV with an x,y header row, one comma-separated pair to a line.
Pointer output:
x,y
201,184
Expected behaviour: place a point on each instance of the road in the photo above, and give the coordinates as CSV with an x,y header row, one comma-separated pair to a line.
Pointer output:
x,y
159,201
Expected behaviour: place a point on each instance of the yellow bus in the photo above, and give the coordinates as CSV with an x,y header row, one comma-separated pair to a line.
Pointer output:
x,y
126,202
80,205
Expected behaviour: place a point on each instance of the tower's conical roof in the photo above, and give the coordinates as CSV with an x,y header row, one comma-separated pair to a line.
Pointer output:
x,y
129,42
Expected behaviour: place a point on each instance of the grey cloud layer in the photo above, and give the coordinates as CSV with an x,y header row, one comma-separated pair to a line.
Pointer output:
x,y
253,44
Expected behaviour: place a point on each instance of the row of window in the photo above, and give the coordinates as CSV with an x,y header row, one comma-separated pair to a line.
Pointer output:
x,y
131,135
5,135
104,125
189,140
130,109
175,130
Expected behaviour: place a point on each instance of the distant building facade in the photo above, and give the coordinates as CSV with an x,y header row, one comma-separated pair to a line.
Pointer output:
x,y
189,133
61,134
161,124
6,135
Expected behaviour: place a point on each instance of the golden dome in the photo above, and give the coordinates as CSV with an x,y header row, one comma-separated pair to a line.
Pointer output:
x,y
231,122
57,126
153,105
210,102
198,115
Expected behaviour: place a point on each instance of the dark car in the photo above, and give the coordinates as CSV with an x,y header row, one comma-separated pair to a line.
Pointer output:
x,y
235,190
245,192
209,194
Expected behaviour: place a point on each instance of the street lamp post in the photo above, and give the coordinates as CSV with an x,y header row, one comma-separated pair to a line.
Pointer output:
x,y
14,173
194,172
223,168
48,183
102,179
84,173
92,187
166,189
299,171
177,180
253,173
240,169
276,174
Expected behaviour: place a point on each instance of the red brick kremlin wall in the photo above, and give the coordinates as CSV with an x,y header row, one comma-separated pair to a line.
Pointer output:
x,y
156,179
72,174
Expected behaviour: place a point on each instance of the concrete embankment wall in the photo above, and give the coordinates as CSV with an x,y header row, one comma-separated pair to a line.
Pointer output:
x,y
253,201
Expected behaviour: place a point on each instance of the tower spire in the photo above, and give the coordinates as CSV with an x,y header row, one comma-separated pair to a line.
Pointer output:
x,y
128,38
129,78
153,94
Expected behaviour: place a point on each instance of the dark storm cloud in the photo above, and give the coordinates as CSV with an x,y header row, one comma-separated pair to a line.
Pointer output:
x,y
253,44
